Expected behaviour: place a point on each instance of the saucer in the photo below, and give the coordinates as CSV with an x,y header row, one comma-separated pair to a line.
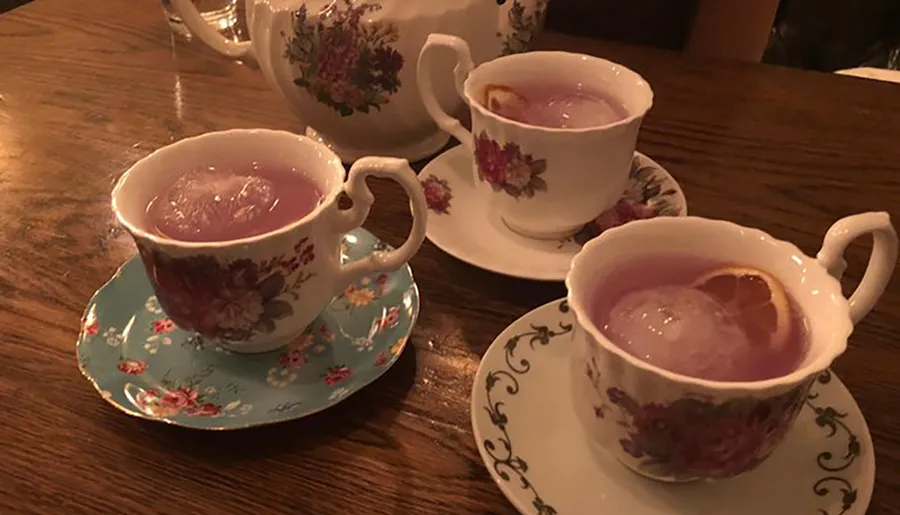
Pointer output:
x,y
533,446
142,364
471,231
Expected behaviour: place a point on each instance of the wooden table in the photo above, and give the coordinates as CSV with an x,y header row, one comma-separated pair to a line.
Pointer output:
x,y
88,87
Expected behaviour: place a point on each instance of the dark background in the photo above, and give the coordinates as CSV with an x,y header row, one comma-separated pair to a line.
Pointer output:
x,y
660,23
6,5
824,35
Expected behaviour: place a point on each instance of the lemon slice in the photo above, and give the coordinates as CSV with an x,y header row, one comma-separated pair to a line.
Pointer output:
x,y
756,299
497,97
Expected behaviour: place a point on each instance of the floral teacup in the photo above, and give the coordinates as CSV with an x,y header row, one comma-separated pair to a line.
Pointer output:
x,y
673,427
547,183
256,294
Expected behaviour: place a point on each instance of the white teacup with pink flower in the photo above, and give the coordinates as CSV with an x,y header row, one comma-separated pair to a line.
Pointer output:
x,y
553,133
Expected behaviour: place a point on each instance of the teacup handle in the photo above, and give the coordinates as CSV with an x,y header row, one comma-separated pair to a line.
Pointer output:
x,y
349,219
208,34
882,260
464,66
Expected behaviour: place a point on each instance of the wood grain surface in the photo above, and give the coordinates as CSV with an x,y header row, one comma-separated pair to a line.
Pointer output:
x,y
88,87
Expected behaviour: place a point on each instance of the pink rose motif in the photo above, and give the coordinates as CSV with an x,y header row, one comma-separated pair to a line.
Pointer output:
x,y
507,169
233,300
724,447
206,409
185,287
381,284
437,194
346,61
163,326
295,355
302,342
91,327
149,401
179,398
326,333
389,319
132,367
491,160
731,445
658,430
623,212
695,437
293,358
337,375
238,310
381,359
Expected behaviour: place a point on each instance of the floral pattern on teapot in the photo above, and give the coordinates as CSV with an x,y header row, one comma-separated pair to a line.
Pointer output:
x,y
344,62
521,24
347,67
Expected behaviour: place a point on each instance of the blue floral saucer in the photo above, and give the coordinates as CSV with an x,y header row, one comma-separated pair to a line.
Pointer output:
x,y
142,364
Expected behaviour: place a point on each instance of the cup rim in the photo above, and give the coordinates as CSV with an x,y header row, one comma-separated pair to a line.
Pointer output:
x,y
476,105
815,366
330,159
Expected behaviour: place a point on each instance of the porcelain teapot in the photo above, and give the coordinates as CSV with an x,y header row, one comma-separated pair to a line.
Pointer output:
x,y
520,22
347,68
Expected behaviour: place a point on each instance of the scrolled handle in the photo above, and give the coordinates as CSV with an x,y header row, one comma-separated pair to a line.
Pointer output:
x,y
362,197
461,71
882,260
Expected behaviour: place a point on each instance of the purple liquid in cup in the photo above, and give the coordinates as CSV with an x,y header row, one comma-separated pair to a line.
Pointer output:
x,y
653,309
230,203
554,105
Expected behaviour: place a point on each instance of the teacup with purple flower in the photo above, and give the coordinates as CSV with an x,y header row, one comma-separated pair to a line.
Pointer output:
x,y
257,293
673,426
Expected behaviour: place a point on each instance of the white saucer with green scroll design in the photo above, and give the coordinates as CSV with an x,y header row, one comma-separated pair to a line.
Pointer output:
x,y
533,446
463,225
145,366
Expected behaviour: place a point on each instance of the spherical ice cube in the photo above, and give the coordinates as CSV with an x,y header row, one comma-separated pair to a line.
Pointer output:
x,y
210,205
683,330
576,110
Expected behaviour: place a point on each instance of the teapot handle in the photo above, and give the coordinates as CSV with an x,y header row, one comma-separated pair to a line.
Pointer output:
x,y
882,260
208,34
